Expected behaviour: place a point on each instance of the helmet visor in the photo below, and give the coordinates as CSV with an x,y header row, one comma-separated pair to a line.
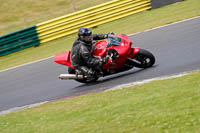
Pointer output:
x,y
87,38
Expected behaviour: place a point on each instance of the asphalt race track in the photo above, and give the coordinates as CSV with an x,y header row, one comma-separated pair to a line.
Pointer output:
x,y
176,48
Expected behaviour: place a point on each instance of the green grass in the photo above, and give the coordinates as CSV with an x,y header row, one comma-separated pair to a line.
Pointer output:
x,y
166,106
16,15
131,24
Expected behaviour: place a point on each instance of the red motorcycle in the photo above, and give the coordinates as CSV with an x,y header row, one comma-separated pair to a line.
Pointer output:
x,y
122,57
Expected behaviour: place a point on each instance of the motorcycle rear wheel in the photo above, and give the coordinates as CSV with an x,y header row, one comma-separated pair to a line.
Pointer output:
x,y
143,59
85,80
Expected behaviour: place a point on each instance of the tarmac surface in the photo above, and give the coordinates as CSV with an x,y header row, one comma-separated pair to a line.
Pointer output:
x,y
176,48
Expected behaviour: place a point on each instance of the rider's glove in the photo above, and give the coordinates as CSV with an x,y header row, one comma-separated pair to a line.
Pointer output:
x,y
108,34
111,33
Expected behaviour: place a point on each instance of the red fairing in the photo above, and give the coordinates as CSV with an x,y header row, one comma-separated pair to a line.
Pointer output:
x,y
124,50
63,59
134,50
100,48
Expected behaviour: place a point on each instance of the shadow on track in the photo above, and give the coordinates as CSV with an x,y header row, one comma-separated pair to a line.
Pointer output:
x,y
106,80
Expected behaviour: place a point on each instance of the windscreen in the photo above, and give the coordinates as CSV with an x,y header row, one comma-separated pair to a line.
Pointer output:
x,y
113,41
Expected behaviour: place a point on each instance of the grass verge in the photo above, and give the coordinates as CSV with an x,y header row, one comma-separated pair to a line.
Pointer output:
x,y
160,106
131,24
17,15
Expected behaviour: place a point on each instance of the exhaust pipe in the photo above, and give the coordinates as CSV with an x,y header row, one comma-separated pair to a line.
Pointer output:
x,y
71,76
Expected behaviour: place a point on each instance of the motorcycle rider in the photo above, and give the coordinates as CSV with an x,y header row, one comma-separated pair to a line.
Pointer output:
x,y
81,53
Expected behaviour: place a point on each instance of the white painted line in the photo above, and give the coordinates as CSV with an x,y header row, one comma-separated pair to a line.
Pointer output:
x,y
21,108
165,25
111,89
150,80
128,35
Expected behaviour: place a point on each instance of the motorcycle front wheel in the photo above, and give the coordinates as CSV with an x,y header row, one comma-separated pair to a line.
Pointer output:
x,y
85,80
143,59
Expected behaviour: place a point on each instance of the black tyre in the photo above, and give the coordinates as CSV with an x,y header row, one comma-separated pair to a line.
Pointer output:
x,y
144,59
72,71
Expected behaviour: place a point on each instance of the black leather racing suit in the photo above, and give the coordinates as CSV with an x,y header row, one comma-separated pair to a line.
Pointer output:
x,y
81,54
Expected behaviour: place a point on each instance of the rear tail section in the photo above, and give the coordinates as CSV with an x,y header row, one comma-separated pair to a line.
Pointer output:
x,y
63,59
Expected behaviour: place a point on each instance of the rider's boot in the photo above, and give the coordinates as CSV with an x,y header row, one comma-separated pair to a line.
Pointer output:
x,y
100,73
87,72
